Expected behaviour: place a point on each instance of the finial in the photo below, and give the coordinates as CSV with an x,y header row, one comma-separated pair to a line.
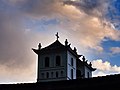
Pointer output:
x,y
86,61
75,49
66,42
80,56
69,45
83,58
39,46
57,35
90,64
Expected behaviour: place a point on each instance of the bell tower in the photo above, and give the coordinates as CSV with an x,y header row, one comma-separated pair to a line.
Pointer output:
x,y
58,62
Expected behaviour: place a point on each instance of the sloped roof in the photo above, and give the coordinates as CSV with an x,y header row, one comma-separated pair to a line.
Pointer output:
x,y
57,46
54,45
84,63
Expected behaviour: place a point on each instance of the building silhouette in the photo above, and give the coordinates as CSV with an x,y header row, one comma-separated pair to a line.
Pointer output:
x,y
60,68
58,62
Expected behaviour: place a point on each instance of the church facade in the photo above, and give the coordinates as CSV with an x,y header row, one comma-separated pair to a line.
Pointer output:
x,y
60,62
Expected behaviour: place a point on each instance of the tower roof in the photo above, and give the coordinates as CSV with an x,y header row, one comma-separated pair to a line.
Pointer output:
x,y
56,46
85,63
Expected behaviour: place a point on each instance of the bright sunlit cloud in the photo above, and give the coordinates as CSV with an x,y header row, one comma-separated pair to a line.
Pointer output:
x,y
25,23
104,68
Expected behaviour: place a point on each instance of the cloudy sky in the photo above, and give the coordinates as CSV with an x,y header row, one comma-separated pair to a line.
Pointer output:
x,y
90,25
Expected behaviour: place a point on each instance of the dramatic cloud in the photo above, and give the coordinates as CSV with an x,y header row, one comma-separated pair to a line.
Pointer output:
x,y
115,50
83,18
104,68
91,7
16,57
82,21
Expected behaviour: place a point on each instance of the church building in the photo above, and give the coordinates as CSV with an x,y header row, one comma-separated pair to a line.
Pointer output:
x,y
60,62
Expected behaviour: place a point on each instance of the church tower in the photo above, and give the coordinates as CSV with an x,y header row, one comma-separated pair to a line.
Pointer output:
x,y
59,62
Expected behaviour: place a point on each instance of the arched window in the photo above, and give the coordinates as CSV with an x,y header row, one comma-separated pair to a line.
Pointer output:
x,y
47,75
52,74
47,62
56,74
88,74
71,73
61,73
79,74
42,75
58,61
72,61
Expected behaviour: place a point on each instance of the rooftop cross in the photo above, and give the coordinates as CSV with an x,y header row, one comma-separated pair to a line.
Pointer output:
x,y
57,35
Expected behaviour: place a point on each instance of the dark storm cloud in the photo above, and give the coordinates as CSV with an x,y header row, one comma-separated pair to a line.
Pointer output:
x,y
35,8
91,7
48,9
106,10
55,8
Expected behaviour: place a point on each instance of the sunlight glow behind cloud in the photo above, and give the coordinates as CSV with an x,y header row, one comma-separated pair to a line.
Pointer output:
x,y
84,22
